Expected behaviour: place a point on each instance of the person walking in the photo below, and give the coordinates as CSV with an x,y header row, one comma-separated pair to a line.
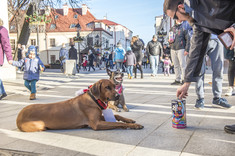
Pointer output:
x,y
63,56
73,55
19,56
179,41
5,48
32,67
137,46
91,58
119,54
215,51
130,62
155,51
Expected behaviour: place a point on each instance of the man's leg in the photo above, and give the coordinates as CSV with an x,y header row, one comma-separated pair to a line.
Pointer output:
x,y
156,63
176,63
182,61
216,54
152,62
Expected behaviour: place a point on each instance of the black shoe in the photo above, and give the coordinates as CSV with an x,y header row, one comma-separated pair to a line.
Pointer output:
x,y
229,129
2,96
176,83
182,82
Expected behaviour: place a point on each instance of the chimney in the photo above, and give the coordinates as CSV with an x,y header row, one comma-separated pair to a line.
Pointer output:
x,y
84,9
48,10
65,9
105,17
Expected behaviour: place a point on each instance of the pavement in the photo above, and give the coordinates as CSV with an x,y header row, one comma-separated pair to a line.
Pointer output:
x,y
149,101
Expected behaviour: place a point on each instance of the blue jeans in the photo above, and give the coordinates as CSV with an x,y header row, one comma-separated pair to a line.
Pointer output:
x,y
119,65
31,85
130,70
2,90
154,63
215,51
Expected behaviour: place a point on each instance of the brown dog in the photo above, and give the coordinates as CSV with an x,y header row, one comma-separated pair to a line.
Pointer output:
x,y
117,78
81,111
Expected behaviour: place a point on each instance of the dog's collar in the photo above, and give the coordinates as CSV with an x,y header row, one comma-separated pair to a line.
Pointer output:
x,y
100,103
119,88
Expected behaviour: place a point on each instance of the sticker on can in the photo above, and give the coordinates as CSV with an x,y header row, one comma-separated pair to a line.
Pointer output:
x,y
178,114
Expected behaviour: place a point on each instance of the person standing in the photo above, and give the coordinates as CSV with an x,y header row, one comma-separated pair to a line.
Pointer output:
x,y
179,41
19,56
73,54
119,54
130,62
137,46
63,56
215,51
5,48
155,51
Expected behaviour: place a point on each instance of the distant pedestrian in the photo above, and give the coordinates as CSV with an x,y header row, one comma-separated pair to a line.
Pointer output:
x,y
155,51
91,59
84,63
5,48
32,67
167,65
119,54
130,62
137,46
63,56
19,56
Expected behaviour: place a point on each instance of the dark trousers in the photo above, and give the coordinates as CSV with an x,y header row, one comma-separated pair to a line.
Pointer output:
x,y
139,67
231,72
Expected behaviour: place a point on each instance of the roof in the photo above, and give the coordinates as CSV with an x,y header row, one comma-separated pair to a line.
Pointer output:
x,y
108,22
63,23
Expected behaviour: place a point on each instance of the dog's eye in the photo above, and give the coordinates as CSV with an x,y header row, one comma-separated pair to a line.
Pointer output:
x,y
108,87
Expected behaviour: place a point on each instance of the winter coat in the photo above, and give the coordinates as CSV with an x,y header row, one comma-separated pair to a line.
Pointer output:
x,y
5,47
182,39
154,48
211,16
119,54
73,53
64,55
31,67
91,58
19,54
137,48
130,58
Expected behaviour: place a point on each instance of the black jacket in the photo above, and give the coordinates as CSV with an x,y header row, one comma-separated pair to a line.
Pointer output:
x,y
154,48
137,48
211,16
73,53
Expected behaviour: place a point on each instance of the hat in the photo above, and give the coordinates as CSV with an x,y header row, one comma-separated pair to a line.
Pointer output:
x,y
119,44
128,49
32,49
155,36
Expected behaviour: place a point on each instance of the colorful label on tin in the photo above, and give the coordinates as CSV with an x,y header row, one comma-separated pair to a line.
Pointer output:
x,y
179,114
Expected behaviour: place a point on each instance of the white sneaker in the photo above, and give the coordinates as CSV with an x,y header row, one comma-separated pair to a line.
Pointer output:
x,y
230,91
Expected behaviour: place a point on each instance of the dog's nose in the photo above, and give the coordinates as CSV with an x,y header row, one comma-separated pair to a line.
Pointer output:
x,y
117,96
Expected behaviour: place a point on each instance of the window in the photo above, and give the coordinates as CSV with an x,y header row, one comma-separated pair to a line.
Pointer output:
x,y
90,25
72,26
33,42
52,42
52,59
53,26
75,16
13,44
56,16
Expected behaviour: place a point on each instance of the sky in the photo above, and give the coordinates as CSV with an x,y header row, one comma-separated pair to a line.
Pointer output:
x,y
136,15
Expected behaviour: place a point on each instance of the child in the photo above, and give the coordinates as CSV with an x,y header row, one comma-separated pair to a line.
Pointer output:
x,y
167,64
84,63
144,60
130,62
32,66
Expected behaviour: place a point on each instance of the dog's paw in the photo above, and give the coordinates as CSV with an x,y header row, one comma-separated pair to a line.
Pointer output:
x,y
117,110
130,121
137,126
126,109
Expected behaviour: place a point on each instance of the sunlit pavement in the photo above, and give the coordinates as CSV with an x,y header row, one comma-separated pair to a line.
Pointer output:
x,y
149,100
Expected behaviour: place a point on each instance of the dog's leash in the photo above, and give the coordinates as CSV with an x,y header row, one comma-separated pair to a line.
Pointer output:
x,y
100,103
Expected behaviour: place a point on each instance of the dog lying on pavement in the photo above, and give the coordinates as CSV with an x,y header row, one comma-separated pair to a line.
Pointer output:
x,y
117,78
79,112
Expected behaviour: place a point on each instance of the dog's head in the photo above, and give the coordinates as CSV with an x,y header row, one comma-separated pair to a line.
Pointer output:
x,y
104,90
115,76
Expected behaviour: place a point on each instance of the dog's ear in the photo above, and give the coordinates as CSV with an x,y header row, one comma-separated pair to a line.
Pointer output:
x,y
96,89
109,72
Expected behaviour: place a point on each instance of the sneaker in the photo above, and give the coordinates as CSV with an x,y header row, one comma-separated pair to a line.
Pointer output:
x,y
182,82
176,83
199,104
221,102
230,91
229,129
152,75
2,96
